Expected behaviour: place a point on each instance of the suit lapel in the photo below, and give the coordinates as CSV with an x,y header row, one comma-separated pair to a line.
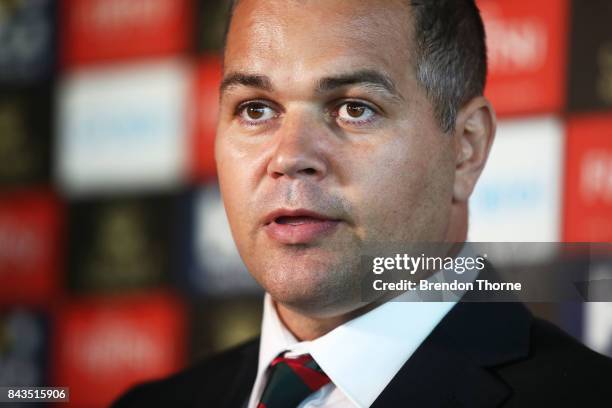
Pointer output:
x,y
450,368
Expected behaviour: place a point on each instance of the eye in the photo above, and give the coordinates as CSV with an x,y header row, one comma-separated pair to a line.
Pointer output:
x,y
254,113
355,113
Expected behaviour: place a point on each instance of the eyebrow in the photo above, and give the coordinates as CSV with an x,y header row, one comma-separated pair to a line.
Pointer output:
x,y
249,80
368,78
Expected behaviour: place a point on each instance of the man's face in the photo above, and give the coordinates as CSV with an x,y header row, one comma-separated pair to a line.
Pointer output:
x,y
326,145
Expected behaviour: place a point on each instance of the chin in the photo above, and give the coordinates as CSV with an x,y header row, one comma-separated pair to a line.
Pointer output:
x,y
312,287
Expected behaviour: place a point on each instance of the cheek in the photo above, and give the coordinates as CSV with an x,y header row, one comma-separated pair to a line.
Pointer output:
x,y
234,183
240,168
406,193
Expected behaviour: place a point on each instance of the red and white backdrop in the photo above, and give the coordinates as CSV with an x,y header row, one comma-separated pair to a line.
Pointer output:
x,y
116,261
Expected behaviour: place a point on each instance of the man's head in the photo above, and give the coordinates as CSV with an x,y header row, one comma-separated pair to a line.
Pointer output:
x,y
346,124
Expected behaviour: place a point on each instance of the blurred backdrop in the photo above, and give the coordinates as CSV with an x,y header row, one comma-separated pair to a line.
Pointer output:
x,y
116,260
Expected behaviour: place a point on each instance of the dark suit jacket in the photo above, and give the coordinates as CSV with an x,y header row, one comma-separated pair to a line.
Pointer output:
x,y
480,355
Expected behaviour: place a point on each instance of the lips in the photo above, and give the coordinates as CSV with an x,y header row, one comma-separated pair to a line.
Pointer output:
x,y
298,226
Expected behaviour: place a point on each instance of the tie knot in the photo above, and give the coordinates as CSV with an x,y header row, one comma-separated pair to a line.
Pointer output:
x,y
291,380
306,368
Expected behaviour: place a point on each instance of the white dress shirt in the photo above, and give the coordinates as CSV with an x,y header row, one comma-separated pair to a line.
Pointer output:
x,y
362,355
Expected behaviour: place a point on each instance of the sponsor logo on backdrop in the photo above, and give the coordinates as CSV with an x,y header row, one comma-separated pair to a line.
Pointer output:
x,y
26,40
112,347
124,128
99,30
526,47
16,158
590,82
25,116
517,198
596,177
113,14
23,348
105,346
604,83
588,189
119,244
29,247
518,45
19,246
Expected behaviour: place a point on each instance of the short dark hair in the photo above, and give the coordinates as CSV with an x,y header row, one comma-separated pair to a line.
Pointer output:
x,y
450,54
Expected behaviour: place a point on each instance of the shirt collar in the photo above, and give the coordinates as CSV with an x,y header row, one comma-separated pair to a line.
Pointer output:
x,y
375,345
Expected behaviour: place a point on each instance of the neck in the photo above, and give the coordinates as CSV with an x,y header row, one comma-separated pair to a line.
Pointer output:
x,y
304,327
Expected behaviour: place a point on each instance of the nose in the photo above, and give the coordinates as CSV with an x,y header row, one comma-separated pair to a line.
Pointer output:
x,y
299,151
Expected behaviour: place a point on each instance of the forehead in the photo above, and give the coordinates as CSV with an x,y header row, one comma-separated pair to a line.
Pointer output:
x,y
299,38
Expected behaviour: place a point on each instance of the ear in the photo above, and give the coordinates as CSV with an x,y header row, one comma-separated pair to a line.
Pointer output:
x,y
474,134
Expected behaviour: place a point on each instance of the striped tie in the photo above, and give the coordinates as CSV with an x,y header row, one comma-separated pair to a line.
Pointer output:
x,y
291,380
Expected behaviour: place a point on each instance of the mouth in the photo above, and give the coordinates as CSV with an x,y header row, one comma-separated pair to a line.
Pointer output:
x,y
299,220
298,226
